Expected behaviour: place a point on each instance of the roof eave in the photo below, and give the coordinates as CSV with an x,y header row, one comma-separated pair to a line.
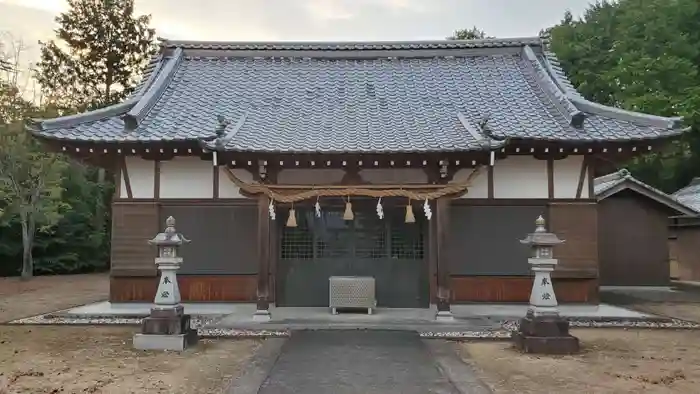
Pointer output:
x,y
559,78
43,125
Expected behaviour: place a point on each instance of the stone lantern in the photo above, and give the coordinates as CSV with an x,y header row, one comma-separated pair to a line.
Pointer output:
x,y
542,330
167,327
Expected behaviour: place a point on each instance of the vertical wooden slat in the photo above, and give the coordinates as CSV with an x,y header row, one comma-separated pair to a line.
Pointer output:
x,y
215,183
127,181
156,179
432,257
133,224
550,178
263,292
591,177
118,175
582,177
443,273
490,182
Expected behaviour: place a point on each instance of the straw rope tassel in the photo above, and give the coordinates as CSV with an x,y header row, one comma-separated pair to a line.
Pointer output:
x,y
348,214
292,219
410,218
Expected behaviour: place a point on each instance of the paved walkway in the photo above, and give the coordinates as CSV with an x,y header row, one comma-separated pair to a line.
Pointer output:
x,y
378,362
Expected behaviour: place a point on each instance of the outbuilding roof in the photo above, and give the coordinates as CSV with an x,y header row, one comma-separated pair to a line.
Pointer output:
x,y
422,96
611,184
690,195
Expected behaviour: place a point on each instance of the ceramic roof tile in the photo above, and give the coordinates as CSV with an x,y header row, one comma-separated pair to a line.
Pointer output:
x,y
690,195
378,103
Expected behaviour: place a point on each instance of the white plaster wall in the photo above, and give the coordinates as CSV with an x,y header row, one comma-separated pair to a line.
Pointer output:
x,y
520,177
228,189
480,183
526,177
186,177
566,175
141,177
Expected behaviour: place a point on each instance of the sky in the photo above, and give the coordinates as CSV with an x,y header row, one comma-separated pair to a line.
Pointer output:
x,y
303,20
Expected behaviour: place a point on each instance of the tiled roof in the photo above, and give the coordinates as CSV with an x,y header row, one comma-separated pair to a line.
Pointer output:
x,y
690,195
357,97
608,185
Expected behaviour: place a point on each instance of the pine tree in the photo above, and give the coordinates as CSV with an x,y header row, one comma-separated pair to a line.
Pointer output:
x,y
100,49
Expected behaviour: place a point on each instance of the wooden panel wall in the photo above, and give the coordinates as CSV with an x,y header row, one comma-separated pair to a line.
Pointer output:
x,y
687,248
133,224
577,224
517,289
193,288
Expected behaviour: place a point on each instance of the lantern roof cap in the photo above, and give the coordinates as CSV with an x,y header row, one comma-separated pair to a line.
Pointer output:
x,y
170,236
540,237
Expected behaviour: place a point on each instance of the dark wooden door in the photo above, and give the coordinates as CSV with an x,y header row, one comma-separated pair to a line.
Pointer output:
x,y
632,241
389,250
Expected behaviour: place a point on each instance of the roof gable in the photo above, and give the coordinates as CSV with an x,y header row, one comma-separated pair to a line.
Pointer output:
x,y
423,96
611,184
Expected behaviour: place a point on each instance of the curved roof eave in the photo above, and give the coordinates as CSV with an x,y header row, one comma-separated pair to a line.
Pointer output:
x,y
559,78
133,109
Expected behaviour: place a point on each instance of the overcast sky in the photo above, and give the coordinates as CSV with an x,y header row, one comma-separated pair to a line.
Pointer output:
x,y
322,20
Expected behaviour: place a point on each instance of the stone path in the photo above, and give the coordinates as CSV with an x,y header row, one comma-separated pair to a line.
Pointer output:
x,y
378,362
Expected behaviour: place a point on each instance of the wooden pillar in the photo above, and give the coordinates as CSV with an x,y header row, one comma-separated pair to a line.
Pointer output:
x,y
263,291
441,227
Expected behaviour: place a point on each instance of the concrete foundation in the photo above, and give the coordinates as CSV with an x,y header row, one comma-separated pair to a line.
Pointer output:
x,y
178,342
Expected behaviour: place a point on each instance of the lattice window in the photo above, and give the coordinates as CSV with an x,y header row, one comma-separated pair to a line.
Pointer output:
x,y
370,237
407,239
333,235
298,242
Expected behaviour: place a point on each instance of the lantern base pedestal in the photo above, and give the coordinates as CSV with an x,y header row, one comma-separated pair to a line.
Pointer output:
x,y
166,328
262,315
545,335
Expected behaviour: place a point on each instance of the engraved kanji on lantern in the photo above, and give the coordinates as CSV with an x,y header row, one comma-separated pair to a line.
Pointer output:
x,y
168,261
543,301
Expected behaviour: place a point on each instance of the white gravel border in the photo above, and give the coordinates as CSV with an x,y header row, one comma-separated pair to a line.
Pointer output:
x,y
202,324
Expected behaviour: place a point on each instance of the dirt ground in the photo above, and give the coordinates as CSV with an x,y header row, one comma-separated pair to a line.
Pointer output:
x,y
45,294
71,359
611,361
61,359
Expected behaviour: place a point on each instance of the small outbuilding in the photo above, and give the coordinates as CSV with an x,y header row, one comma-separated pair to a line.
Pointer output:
x,y
633,231
685,236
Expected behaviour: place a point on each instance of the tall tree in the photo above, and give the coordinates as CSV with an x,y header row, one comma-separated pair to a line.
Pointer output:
x,y
101,48
641,56
468,34
30,187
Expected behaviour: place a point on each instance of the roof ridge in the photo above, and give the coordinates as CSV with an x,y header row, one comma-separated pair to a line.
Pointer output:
x,y
559,77
151,95
351,45
556,95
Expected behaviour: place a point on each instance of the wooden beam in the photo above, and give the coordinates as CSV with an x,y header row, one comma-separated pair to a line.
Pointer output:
x,y
156,179
591,177
550,177
490,182
263,292
582,176
215,182
127,181
442,217
117,167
